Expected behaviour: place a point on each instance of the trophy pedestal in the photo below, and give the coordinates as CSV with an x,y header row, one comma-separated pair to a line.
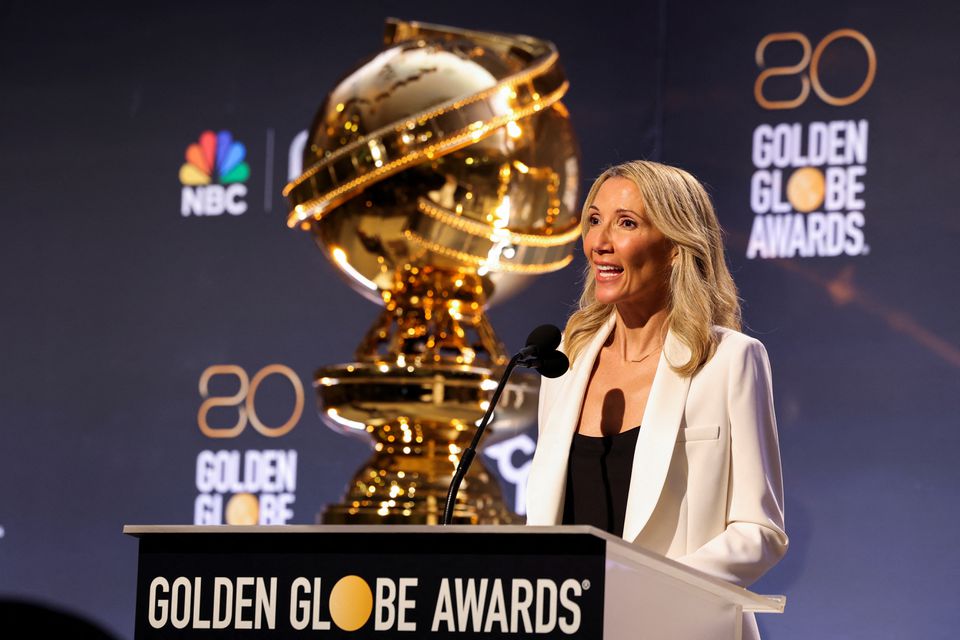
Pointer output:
x,y
411,489
420,419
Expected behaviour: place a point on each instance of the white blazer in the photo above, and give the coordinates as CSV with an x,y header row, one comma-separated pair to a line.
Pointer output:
x,y
706,487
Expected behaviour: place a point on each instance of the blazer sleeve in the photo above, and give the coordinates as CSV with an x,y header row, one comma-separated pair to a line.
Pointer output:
x,y
754,539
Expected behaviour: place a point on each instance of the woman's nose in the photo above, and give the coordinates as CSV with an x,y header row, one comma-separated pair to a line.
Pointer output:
x,y
602,240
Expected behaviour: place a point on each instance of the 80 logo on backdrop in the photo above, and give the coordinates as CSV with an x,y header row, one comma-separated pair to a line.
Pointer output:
x,y
250,486
245,399
809,69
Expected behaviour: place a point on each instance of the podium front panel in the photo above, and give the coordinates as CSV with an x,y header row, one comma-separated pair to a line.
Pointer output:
x,y
370,584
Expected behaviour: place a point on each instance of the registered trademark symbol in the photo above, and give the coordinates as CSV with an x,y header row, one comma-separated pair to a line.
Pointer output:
x,y
865,250
2,531
585,584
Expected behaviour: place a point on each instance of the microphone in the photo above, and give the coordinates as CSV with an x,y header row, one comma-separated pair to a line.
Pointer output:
x,y
553,365
546,337
541,354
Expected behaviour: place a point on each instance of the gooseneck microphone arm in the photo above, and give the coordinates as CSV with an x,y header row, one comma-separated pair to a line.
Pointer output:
x,y
541,354
468,454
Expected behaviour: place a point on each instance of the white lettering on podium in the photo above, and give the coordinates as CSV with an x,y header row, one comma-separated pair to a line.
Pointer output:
x,y
464,605
180,603
443,612
198,622
567,589
222,592
157,608
546,606
242,603
392,605
404,604
472,605
386,612
498,610
305,610
521,605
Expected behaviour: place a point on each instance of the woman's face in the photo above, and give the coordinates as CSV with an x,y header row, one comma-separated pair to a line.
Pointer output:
x,y
629,256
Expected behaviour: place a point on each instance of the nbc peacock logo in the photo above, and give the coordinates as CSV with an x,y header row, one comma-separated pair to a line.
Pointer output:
x,y
213,176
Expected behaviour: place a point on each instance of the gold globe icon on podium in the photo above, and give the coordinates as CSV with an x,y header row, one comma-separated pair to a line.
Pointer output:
x,y
440,176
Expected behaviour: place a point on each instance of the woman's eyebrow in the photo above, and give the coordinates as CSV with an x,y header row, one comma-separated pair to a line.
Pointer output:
x,y
593,206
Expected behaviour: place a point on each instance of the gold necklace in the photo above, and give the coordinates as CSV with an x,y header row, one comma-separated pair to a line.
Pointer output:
x,y
646,355
623,351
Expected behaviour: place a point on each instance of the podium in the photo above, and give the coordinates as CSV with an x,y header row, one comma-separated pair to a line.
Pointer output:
x,y
409,581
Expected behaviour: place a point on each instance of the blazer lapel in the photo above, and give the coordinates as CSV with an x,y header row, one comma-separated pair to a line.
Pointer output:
x,y
657,437
553,447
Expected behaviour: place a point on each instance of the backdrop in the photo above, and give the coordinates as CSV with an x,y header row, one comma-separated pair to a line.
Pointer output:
x,y
825,132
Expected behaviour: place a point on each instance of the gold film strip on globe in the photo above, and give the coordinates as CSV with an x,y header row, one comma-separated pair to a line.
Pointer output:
x,y
500,249
498,265
345,172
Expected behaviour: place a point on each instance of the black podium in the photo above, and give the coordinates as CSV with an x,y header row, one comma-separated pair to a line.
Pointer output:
x,y
423,582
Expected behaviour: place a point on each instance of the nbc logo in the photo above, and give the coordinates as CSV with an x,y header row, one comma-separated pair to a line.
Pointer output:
x,y
213,176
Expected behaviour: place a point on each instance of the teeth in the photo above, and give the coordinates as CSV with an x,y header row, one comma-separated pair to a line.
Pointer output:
x,y
608,268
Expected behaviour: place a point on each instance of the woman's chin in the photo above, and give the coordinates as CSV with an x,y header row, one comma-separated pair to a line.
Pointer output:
x,y
608,298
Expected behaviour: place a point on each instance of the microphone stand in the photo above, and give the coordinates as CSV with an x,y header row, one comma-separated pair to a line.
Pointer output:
x,y
468,454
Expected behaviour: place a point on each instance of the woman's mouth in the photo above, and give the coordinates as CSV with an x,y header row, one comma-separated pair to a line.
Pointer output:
x,y
607,272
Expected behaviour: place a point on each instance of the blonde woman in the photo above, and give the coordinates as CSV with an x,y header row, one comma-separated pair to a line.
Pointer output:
x,y
663,430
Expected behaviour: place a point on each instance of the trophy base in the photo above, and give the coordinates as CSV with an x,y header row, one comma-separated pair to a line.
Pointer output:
x,y
342,514
420,420
381,493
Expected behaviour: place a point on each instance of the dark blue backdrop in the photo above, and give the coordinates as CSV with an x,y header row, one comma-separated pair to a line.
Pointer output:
x,y
114,303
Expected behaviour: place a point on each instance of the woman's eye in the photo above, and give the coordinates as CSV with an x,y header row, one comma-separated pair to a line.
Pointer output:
x,y
628,223
594,220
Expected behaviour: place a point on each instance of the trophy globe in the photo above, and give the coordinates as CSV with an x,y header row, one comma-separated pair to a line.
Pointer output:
x,y
440,176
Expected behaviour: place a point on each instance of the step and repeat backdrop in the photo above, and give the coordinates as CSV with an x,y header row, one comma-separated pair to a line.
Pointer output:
x,y
160,328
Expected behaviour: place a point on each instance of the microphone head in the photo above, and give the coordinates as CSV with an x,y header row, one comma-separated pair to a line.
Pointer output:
x,y
554,364
545,338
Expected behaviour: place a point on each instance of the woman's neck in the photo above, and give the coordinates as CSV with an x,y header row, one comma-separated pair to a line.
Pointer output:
x,y
639,334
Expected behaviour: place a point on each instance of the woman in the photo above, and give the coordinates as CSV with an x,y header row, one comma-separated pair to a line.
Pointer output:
x,y
663,429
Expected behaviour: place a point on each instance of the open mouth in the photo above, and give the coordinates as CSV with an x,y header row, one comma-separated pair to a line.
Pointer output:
x,y
607,271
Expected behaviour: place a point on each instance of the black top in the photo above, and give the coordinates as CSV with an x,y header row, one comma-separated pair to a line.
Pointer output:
x,y
598,479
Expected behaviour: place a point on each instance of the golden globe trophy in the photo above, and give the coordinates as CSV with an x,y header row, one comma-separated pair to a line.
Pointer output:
x,y
440,176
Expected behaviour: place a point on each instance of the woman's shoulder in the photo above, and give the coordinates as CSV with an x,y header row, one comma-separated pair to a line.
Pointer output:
x,y
734,344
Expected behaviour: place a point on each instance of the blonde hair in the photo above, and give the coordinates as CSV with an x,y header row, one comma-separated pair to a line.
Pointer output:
x,y
702,292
